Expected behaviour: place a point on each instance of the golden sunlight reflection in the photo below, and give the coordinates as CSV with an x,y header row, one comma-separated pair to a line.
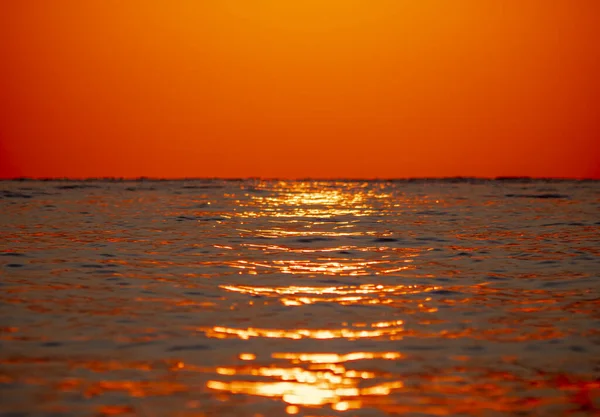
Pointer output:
x,y
343,295
325,266
392,330
247,356
183,309
308,199
273,248
303,232
335,357
316,379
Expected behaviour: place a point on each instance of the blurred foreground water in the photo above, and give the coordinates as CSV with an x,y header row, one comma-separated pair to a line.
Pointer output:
x,y
265,298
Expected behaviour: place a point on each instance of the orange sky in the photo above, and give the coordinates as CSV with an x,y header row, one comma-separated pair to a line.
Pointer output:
x,y
299,88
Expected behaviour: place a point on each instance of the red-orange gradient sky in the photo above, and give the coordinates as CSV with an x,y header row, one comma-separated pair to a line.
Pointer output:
x,y
299,88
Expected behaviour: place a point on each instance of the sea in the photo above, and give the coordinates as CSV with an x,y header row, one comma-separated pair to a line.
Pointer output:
x,y
264,298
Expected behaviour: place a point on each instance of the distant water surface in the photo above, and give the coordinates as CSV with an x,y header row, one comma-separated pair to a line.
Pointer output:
x,y
310,298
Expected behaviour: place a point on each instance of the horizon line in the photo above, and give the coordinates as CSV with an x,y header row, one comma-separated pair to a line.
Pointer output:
x,y
258,178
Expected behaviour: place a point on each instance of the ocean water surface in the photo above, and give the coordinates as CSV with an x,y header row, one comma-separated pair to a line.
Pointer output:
x,y
309,298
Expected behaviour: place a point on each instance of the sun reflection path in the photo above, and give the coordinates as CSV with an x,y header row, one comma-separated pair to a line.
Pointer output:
x,y
308,213
392,330
317,201
343,295
316,379
324,266
306,199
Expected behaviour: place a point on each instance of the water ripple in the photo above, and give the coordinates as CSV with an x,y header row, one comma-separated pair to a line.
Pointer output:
x,y
255,298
